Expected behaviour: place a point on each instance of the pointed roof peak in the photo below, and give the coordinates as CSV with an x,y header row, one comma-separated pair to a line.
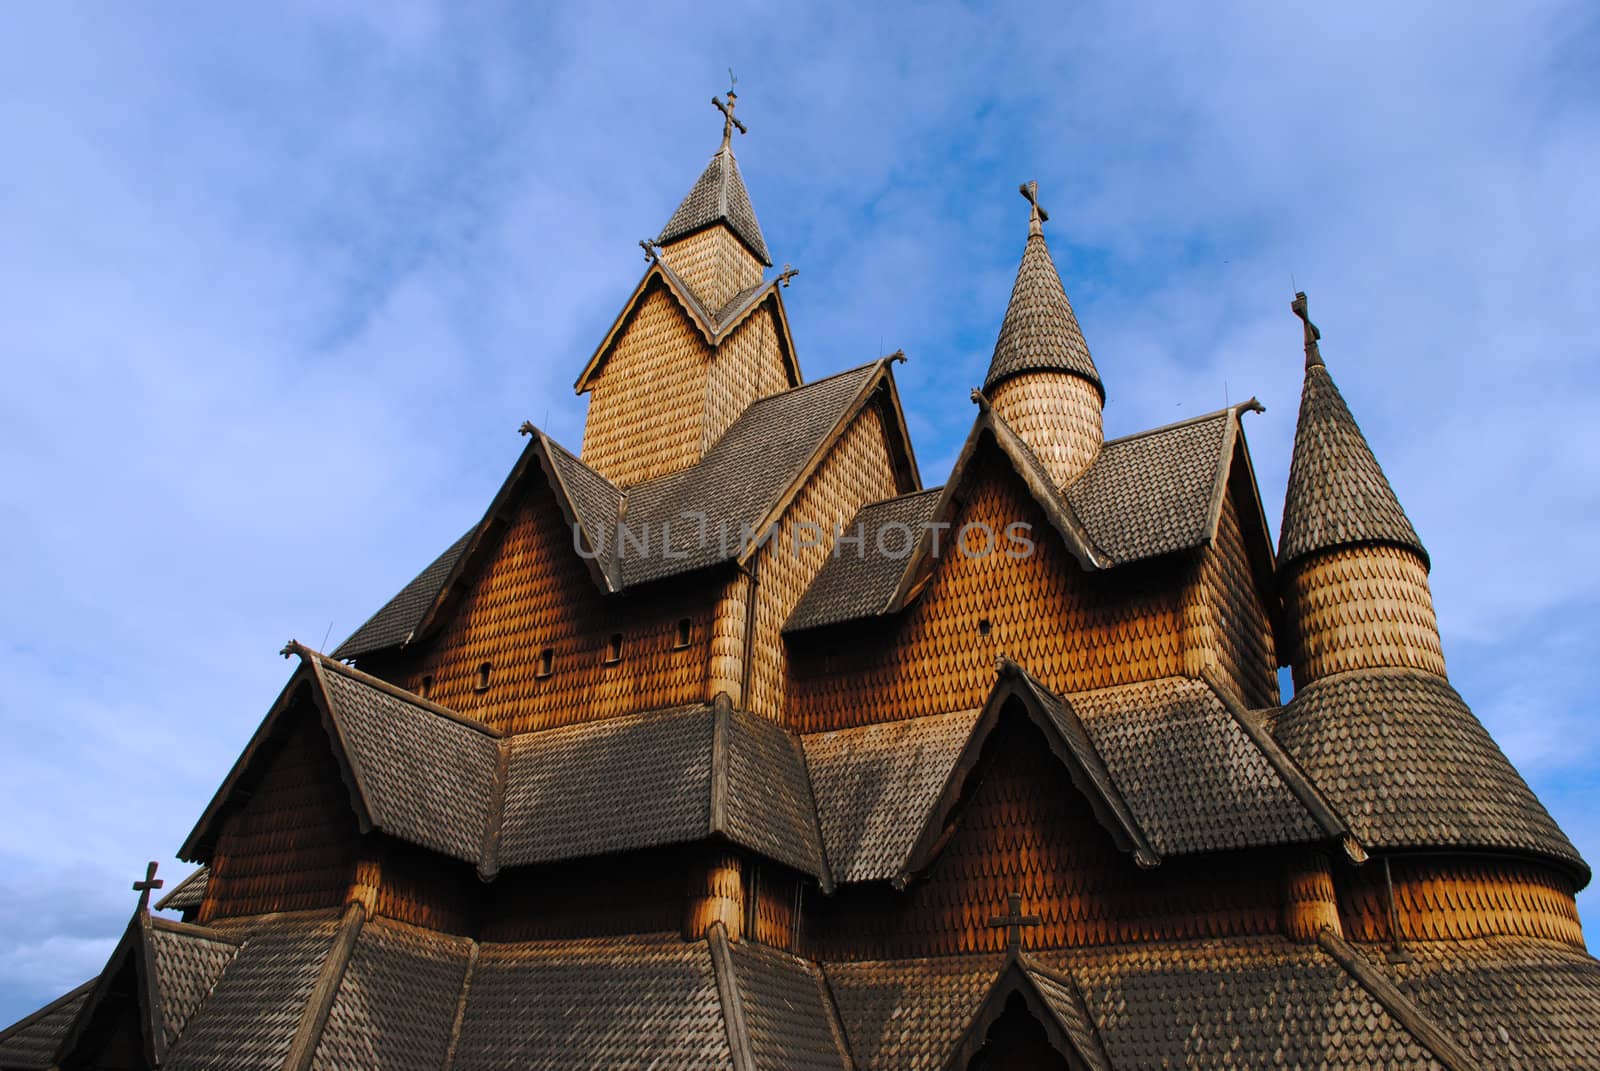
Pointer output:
x,y
719,195
1337,494
1040,331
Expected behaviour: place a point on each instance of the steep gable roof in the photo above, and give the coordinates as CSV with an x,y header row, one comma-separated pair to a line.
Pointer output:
x,y
1158,492
1172,767
160,972
715,326
789,432
718,196
1054,1002
419,772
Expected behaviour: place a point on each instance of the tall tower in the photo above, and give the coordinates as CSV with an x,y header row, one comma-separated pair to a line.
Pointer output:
x,y
701,338
1041,379
1355,575
713,241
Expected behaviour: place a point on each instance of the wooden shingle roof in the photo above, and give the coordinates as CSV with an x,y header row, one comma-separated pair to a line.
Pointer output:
x,y
718,196
1400,754
1337,494
1040,331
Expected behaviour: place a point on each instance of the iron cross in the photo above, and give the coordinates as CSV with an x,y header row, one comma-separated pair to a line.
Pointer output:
x,y
1036,215
729,121
143,887
1013,920
1313,353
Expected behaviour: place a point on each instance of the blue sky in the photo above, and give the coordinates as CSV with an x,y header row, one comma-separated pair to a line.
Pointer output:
x,y
276,290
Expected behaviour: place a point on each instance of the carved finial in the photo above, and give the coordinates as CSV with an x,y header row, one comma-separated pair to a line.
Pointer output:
x,y
527,428
144,887
1313,354
1037,216
980,399
289,648
789,272
650,250
729,121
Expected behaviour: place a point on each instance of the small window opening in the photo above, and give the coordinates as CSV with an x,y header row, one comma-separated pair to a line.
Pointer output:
x,y
614,649
984,626
547,662
481,684
427,686
681,638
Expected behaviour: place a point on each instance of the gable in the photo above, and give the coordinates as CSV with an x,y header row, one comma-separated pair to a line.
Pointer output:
x,y
1038,606
647,401
529,590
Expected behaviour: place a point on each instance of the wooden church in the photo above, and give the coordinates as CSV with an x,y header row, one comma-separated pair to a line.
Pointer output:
x,y
724,742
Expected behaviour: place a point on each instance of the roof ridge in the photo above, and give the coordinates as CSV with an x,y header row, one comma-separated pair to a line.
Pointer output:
x,y
1184,423
1401,1008
387,687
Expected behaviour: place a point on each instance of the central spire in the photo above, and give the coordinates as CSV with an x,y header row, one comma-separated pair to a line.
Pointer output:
x,y
1041,379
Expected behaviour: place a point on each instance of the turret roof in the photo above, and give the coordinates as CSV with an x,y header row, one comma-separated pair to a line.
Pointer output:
x,y
1337,494
1040,331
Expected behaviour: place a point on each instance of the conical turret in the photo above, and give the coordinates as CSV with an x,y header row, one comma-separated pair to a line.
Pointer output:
x,y
713,241
1041,379
1355,574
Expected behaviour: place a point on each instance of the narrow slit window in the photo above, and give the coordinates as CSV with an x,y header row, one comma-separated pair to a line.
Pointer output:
x,y
481,683
547,662
984,626
680,638
614,649
427,686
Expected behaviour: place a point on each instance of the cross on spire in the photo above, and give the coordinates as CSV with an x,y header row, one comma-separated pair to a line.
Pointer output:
x,y
1013,920
144,887
729,120
1313,354
789,272
1037,216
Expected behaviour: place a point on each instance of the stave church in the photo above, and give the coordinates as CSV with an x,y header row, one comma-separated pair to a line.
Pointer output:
x,y
725,742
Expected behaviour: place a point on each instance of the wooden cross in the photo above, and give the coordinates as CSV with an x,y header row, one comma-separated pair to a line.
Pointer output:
x,y
789,272
1313,354
143,887
1013,920
728,119
1036,215
649,247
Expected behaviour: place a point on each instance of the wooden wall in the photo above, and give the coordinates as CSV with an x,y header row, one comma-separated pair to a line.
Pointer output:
x,y
858,469
647,405
714,264
535,592
1229,627
747,365
640,892
1023,827
1440,898
292,845
1360,608
1075,630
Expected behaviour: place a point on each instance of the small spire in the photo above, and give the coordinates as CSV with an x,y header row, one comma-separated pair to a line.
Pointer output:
x,y
1040,331
1037,216
729,120
1313,354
